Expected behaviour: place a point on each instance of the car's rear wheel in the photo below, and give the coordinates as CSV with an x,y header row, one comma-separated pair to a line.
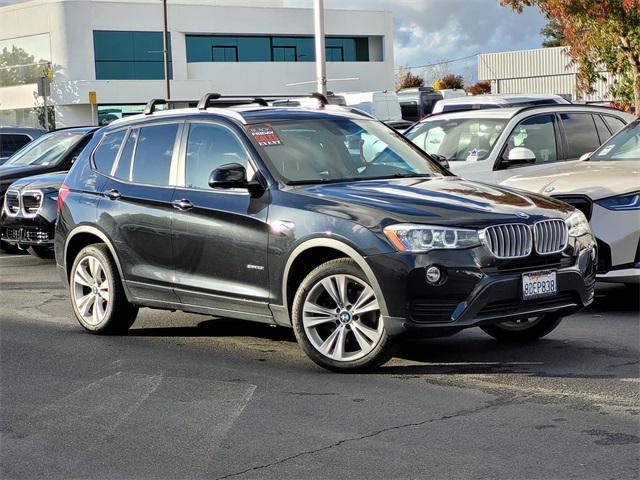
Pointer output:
x,y
40,251
97,296
525,329
336,319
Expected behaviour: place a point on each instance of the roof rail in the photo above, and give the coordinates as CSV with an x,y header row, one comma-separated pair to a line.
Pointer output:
x,y
216,99
558,105
151,105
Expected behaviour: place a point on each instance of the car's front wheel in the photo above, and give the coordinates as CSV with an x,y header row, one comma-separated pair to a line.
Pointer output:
x,y
524,329
336,319
97,296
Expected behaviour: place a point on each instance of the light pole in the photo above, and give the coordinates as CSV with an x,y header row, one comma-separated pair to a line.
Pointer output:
x,y
321,66
165,48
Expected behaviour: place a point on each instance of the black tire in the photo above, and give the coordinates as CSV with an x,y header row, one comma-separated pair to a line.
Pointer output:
x,y
119,313
41,252
537,330
384,348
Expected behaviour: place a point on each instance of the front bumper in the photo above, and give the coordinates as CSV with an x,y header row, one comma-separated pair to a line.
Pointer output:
x,y
478,289
27,231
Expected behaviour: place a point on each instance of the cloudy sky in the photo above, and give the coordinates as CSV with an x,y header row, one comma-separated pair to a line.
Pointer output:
x,y
432,31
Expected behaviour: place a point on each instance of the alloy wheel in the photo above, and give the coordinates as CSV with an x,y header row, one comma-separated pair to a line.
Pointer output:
x,y
91,290
341,318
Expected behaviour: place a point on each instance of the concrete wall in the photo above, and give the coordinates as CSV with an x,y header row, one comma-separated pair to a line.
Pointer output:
x,y
70,24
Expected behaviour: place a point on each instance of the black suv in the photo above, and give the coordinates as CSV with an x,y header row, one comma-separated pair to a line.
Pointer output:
x,y
316,218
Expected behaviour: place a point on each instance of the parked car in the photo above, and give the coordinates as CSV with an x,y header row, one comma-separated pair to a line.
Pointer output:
x,y
479,102
54,152
13,139
29,213
383,105
323,220
417,103
606,188
493,145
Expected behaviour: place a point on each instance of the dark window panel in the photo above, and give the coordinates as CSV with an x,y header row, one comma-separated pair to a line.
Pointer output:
x,y
113,46
152,161
581,134
106,153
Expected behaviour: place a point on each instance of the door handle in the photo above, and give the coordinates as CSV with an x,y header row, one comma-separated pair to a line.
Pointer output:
x,y
183,204
113,194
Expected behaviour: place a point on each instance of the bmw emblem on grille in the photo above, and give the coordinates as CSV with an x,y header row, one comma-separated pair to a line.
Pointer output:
x,y
549,189
522,215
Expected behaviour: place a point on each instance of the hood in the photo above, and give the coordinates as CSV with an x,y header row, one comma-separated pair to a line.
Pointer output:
x,y
597,179
50,181
16,171
439,200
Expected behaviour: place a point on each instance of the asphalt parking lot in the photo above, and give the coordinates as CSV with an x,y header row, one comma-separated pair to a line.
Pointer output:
x,y
186,396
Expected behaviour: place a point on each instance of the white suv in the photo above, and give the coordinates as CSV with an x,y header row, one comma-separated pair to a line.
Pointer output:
x,y
492,145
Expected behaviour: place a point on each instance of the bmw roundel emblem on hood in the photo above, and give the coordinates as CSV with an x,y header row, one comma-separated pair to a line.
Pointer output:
x,y
522,215
549,189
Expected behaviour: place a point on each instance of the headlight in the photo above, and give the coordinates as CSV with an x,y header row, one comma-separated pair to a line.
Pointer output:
x,y
423,238
577,224
621,202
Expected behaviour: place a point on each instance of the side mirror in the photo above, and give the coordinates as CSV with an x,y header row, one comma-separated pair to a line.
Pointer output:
x,y
441,159
520,156
229,175
586,156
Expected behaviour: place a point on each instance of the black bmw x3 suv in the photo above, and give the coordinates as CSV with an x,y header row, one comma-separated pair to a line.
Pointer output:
x,y
320,219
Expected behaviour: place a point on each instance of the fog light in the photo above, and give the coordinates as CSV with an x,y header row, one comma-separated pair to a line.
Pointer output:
x,y
433,275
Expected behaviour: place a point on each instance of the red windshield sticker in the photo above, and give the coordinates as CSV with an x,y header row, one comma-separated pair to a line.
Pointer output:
x,y
264,135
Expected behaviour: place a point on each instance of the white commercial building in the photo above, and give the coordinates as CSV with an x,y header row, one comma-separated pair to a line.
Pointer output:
x,y
541,70
107,56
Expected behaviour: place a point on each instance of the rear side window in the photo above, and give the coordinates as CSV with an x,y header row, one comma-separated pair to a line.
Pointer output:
x,y
603,131
581,134
152,162
123,169
614,123
10,143
106,153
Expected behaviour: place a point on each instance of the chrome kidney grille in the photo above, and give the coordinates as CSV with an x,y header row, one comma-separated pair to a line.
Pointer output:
x,y
12,202
550,236
31,202
517,240
511,240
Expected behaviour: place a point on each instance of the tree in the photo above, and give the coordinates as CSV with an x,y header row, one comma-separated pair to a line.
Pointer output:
x,y
449,81
17,67
479,88
552,36
406,79
598,34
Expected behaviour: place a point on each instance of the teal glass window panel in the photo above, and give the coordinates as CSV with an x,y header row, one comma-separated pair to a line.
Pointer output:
x,y
253,49
198,48
115,71
113,46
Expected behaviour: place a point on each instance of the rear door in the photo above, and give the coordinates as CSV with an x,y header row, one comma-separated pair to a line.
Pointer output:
x,y
136,210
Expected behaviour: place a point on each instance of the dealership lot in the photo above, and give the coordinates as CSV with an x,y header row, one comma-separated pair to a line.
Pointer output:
x,y
192,396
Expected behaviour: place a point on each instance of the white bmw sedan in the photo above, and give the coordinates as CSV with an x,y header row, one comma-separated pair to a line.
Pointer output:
x,y
605,186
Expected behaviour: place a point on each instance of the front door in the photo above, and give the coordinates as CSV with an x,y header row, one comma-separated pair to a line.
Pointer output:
x,y
219,235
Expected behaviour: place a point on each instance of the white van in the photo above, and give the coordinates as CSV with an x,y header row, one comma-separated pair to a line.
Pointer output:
x,y
383,105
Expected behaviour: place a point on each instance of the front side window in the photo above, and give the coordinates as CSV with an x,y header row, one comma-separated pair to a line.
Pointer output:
x,y
46,150
465,139
339,149
154,150
210,146
107,151
581,133
538,135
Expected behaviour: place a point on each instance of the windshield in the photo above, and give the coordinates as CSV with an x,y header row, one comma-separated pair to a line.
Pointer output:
x,y
45,150
624,146
463,139
339,149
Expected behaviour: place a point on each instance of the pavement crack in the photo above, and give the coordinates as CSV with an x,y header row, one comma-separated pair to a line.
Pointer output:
x,y
461,413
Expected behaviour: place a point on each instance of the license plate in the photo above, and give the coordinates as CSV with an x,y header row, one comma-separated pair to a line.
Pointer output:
x,y
539,284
